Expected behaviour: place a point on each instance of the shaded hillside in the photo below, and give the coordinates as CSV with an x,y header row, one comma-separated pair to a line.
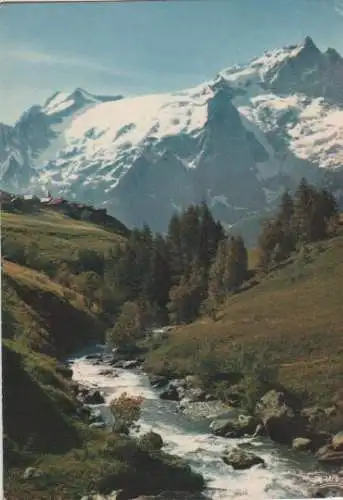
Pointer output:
x,y
44,315
45,292
36,399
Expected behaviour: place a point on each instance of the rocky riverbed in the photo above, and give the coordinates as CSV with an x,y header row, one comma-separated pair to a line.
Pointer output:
x,y
229,447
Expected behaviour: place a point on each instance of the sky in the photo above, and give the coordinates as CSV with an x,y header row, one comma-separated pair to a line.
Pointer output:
x,y
145,47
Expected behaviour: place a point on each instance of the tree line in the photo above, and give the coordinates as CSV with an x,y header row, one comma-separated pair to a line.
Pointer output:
x,y
153,279
309,216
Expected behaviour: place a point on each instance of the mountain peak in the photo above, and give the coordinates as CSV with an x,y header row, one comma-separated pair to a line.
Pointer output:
x,y
62,101
333,55
309,43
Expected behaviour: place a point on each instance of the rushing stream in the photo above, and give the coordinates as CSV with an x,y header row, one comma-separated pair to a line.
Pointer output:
x,y
286,475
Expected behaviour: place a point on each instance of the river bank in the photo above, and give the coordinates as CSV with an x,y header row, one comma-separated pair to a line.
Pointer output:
x,y
287,474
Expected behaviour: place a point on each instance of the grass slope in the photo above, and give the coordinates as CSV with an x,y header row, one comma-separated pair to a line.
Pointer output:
x,y
57,237
294,316
43,315
38,311
43,320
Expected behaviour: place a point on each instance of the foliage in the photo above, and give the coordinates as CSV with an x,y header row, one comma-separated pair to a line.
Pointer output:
x,y
128,327
228,271
296,323
90,261
187,296
309,217
126,411
150,441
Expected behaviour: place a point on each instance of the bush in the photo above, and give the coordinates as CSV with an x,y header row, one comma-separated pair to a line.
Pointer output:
x,y
126,411
128,327
90,261
14,251
151,441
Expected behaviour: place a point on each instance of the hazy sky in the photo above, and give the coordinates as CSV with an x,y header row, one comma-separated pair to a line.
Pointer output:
x,y
145,47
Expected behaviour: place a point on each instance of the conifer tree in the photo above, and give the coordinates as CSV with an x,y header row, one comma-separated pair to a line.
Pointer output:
x,y
211,233
176,261
228,270
186,297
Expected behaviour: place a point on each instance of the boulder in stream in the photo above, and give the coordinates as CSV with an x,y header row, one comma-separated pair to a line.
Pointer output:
x,y
241,459
108,372
92,397
328,490
280,417
337,441
158,381
235,424
115,495
302,444
327,455
174,391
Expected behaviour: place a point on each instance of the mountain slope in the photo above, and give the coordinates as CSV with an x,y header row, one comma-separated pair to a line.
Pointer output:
x,y
291,318
39,311
236,141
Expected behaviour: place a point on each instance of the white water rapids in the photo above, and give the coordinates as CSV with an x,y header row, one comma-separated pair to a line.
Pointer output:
x,y
286,475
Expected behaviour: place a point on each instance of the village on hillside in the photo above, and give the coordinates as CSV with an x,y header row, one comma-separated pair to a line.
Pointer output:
x,y
30,203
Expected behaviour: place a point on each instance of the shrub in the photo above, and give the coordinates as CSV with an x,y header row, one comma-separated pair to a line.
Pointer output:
x,y
128,327
151,441
126,411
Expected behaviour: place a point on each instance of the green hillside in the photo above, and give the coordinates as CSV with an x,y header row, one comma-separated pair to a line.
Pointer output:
x,y
291,318
54,236
55,299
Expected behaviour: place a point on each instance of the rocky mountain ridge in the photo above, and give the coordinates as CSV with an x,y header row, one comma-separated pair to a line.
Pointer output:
x,y
236,141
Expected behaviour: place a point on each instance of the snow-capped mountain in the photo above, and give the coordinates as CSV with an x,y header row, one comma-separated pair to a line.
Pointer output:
x,y
236,141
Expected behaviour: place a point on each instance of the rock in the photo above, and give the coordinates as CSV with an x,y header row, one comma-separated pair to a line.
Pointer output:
x,y
195,395
319,439
30,472
279,417
302,444
327,491
327,455
315,415
129,365
108,372
95,416
83,412
65,371
115,495
158,381
259,431
240,459
192,380
93,356
236,424
203,410
337,441
170,393
209,397
93,397
331,411
174,391
97,425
